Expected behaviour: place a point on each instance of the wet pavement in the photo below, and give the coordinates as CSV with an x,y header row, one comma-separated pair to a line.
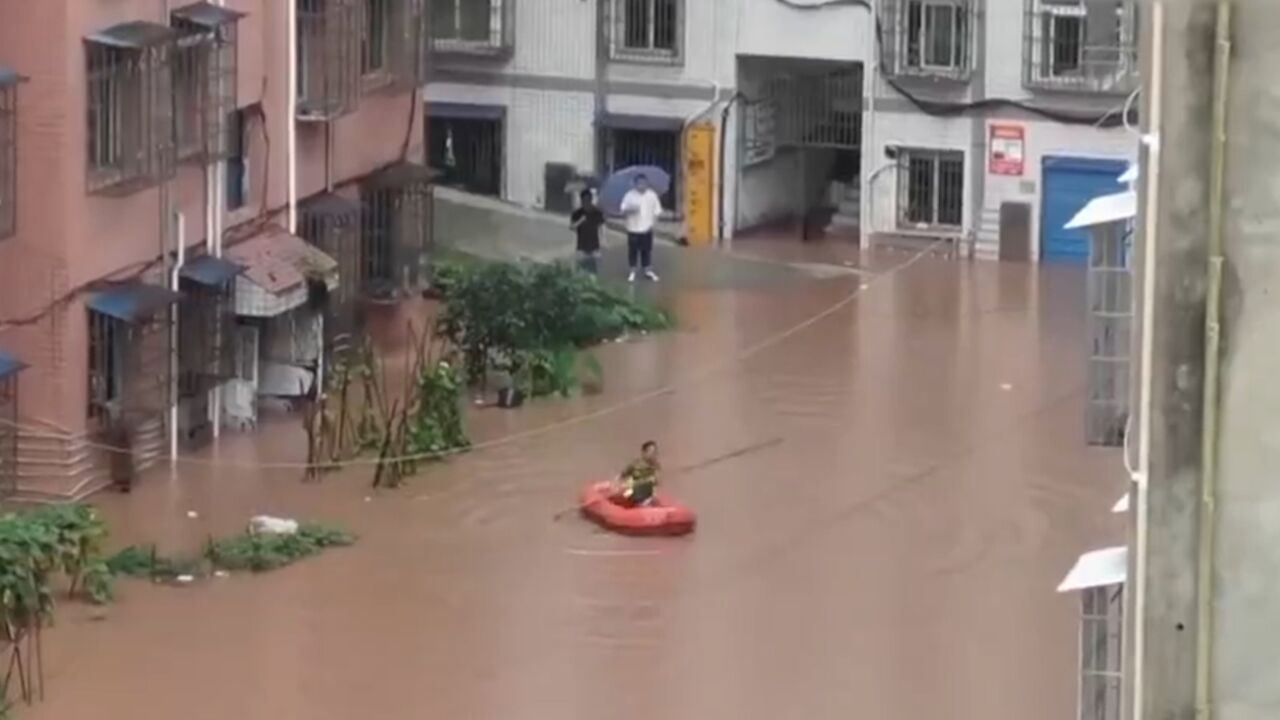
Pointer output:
x,y
890,551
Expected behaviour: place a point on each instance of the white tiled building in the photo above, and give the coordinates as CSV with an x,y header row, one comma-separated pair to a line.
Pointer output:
x,y
520,102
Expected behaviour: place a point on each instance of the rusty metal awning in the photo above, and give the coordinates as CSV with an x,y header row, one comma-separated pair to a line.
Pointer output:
x,y
9,77
10,365
278,262
330,205
132,301
210,271
655,123
134,35
207,15
401,175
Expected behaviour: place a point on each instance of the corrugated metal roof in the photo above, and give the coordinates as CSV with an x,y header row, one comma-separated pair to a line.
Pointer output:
x,y
132,301
1106,209
1097,569
402,175
133,35
277,262
211,271
10,365
207,14
330,205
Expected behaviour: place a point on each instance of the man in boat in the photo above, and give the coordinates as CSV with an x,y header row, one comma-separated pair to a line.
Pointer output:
x,y
640,478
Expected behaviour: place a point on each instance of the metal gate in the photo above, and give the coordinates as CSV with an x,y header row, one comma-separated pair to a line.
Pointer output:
x,y
659,148
1069,184
468,151
822,109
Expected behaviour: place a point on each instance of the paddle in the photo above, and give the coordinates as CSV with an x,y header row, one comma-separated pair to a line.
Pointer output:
x,y
699,466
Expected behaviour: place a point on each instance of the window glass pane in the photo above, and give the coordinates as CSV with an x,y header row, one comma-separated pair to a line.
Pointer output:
x,y
635,23
940,35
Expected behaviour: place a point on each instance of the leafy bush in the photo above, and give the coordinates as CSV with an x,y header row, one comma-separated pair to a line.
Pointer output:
x,y
263,552
435,423
533,320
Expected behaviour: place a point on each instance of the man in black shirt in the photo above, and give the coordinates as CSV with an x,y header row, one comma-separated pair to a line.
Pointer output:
x,y
586,221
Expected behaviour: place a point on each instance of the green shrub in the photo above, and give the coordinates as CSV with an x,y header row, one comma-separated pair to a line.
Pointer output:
x,y
533,320
261,552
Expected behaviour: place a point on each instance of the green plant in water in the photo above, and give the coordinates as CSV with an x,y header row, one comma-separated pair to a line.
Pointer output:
x,y
262,552
435,423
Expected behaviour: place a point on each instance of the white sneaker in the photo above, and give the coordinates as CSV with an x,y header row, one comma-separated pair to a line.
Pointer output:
x,y
632,276
653,276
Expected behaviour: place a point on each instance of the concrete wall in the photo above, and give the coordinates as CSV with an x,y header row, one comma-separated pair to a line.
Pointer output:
x,y
67,239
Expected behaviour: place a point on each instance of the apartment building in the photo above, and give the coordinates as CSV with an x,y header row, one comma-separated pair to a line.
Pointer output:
x,y
198,202
987,121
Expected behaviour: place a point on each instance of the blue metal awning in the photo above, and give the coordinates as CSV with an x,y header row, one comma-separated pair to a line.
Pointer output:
x,y
9,77
210,271
10,365
465,111
132,301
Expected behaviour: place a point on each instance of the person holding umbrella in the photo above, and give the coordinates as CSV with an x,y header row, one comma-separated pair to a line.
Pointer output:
x,y
641,206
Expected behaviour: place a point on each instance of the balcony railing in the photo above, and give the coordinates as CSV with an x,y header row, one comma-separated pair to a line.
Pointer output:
x,y
1087,46
929,38
472,27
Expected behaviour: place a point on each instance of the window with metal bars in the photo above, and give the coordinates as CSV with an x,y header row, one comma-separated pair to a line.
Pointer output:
x,y
237,190
128,368
1082,45
469,25
1102,653
329,57
204,80
930,189
204,350
934,37
8,433
8,152
332,224
391,43
660,148
396,226
130,107
468,152
647,30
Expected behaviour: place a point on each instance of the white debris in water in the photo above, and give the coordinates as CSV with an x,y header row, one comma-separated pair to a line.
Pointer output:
x,y
186,579
267,525
222,574
193,514
1006,386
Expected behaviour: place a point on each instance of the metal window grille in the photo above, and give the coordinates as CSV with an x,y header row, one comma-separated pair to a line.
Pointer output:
x,y
237,190
1110,293
8,434
8,153
820,109
204,350
128,368
470,25
929,38
1101,652
329,57
204,70
647,30
468,152
332,224
930,189
1081,45
130,107
396,236
759,131
660,148
392,43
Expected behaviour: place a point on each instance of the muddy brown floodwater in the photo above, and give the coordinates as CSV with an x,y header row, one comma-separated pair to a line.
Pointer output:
x,y
893,557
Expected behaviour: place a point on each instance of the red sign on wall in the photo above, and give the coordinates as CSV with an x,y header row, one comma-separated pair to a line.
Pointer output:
x,y
1007,149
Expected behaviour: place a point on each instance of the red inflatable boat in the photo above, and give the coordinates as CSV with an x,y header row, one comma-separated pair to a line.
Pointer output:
x,y
663,517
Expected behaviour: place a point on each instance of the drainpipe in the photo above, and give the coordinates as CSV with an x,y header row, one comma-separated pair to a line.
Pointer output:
x,y
291,111
600,96
181,223
869,124
1212,364
1154,93
218,202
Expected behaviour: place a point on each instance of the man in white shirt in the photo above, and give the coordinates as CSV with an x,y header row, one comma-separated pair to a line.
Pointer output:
x,y
642,207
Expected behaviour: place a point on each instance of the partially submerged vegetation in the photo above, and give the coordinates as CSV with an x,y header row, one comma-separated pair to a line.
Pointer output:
x,y
535,322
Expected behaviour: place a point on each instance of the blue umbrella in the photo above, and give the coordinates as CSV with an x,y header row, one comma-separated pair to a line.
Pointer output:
x,y
616,185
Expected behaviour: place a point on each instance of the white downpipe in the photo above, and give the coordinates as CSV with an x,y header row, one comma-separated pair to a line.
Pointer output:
x,y
174,338
1151,177
869,119
291,114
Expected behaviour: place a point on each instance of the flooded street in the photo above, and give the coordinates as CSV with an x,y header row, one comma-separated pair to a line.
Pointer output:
x,y
888,550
